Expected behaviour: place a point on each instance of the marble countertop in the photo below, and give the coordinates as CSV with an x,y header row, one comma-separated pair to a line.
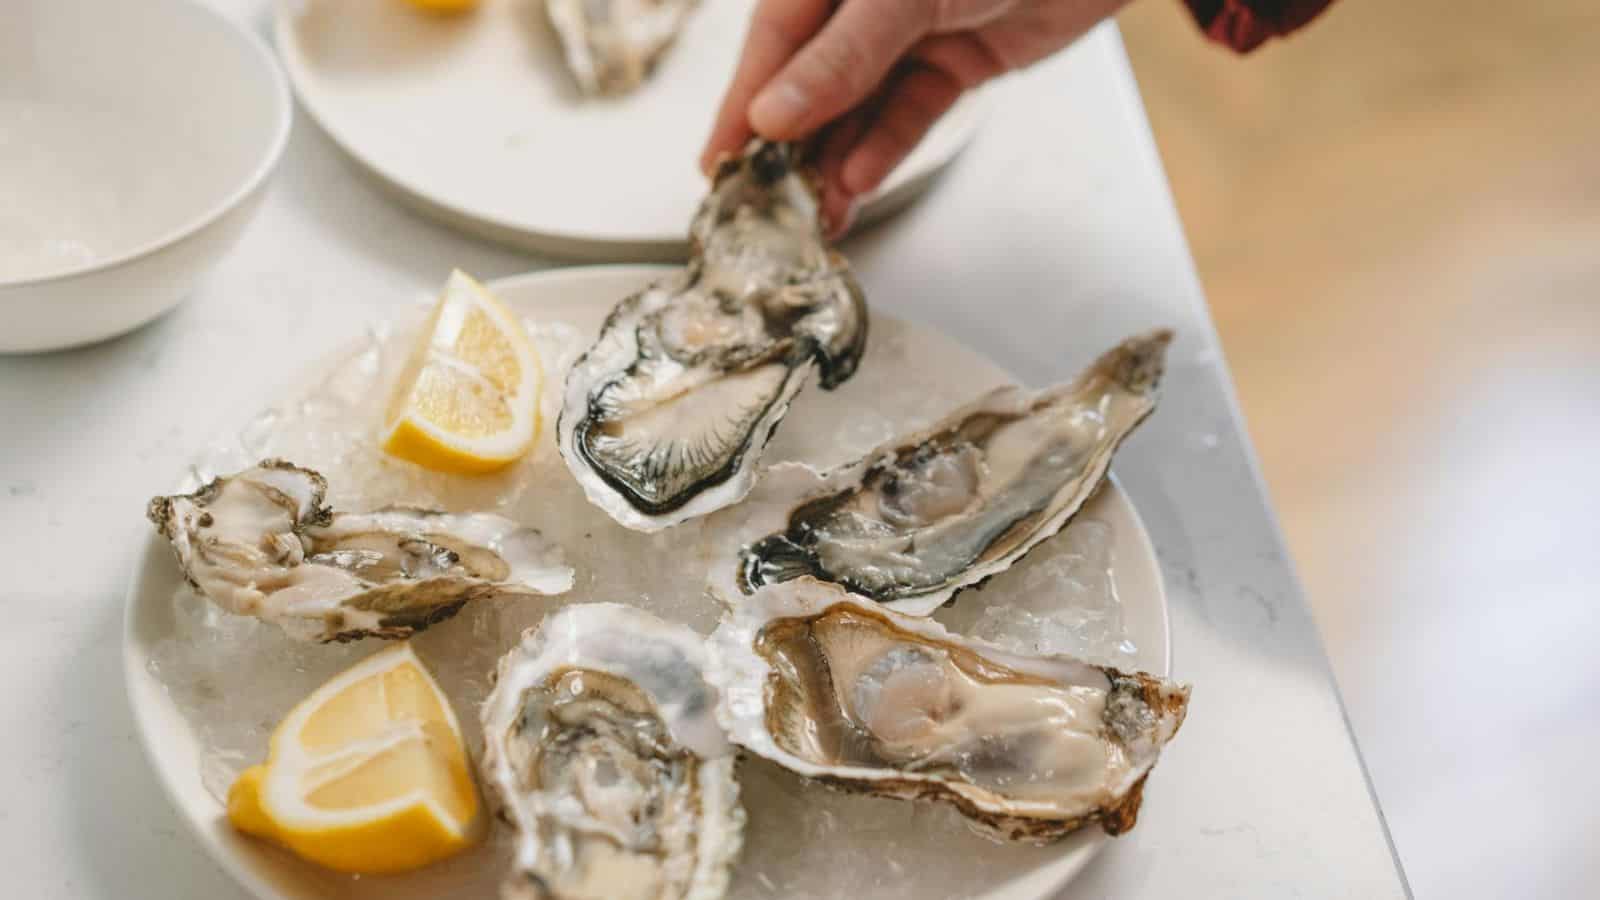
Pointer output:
x,y
1052,237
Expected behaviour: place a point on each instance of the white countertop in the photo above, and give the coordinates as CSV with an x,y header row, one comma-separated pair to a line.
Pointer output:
x,y
1051,238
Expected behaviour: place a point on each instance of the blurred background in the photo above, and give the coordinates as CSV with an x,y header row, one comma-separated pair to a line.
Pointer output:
x,y
1396,215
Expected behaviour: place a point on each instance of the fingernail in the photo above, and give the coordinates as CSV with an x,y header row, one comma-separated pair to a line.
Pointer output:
x,y
836,224
850,213
777,107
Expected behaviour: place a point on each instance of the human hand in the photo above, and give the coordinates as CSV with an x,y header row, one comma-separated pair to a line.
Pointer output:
x,y
876,75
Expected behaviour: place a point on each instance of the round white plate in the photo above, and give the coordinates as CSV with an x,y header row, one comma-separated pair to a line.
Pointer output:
x,y
948,863
475,120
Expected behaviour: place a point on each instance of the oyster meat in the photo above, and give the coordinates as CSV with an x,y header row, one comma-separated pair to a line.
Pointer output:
x,y
603,752
666,416
926,515
612,46
261,543
843,691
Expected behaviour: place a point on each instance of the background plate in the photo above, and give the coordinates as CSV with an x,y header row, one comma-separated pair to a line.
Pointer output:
x,y
475,120
581,297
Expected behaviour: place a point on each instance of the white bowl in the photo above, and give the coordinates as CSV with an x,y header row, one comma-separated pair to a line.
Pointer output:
x,y
134,142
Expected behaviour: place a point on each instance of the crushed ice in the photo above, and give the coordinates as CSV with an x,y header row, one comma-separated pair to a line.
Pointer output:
x,y
1060,599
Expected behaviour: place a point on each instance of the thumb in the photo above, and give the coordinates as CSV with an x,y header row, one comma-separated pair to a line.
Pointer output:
x,y
840,67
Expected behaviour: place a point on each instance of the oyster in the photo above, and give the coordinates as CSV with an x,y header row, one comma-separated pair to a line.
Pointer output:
x,y
665,417
843,691
603,752
926,515
261,543
613,45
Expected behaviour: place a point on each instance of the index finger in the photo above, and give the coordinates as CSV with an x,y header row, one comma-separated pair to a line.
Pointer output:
x,y
778,29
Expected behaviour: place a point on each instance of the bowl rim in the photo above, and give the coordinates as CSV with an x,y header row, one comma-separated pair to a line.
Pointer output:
x,y
282,111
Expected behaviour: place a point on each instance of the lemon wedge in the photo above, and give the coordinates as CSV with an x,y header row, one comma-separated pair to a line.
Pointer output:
x,y
368,774
468,398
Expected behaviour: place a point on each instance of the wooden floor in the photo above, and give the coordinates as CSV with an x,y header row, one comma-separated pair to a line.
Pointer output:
x,y
1396,215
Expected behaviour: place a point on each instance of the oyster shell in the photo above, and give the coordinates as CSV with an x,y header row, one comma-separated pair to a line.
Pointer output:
x,y
612,46
603,752
926,515
841,690
261,543
666,416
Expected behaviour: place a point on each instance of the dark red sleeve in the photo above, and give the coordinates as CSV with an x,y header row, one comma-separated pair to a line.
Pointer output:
x,y
1246,24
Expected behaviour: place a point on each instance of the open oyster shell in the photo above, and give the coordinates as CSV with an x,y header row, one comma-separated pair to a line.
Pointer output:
x,y
843,691
612,46
666,416
925,515
261,543
603,752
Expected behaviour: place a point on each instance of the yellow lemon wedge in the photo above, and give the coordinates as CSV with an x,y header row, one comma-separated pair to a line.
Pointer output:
x,y
443,6
468,398
368,774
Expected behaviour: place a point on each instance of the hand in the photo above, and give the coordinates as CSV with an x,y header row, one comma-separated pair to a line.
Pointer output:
x,y
877,74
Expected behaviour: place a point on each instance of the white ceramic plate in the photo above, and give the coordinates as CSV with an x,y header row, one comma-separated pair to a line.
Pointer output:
x,y
581,297
475,120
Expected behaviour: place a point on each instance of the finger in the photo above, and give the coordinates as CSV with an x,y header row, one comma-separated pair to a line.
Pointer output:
x,y
1037,30
846,61
777,29
961,15
838,213
916,100
967,57
837,203
840,138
